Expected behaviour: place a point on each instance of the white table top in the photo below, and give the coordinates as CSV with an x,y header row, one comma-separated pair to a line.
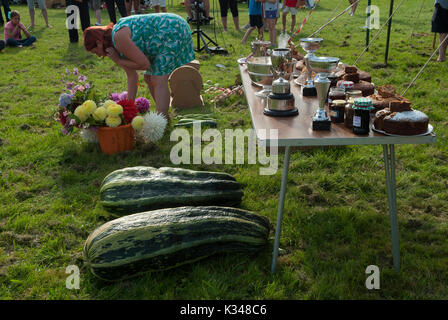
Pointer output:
x,y
297,130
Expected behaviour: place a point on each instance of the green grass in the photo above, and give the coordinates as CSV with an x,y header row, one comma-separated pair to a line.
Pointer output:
x,y
336,216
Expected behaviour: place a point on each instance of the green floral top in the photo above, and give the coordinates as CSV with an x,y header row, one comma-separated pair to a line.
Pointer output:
x,y
164,38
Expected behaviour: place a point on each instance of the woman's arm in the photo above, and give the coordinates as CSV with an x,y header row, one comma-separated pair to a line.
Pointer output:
x,y
22,26
135,59
132,82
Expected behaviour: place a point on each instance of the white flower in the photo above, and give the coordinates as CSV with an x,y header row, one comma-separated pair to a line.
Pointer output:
x,y
89,135
154,127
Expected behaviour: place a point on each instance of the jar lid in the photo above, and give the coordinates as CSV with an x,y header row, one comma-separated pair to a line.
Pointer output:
x,y
354,93
339,102
345,84
363,103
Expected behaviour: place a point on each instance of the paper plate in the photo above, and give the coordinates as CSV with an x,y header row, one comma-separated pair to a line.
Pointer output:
x,y
430,128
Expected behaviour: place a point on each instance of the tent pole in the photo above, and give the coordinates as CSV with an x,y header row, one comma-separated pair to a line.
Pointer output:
x,y
368,25
388,31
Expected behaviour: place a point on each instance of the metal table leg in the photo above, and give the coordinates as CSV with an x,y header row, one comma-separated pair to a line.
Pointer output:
x,y
389,162
281,204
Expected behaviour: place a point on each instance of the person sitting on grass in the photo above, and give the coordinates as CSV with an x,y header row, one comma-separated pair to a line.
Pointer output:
x,y
13,30
255,20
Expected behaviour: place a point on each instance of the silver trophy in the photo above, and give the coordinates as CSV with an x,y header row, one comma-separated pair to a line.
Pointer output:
x,y
260,72
282,63
280,102
310,45
323,66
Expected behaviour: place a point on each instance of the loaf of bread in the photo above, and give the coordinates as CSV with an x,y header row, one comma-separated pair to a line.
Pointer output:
x,y
350,69
351,77
399,104
386,91
366,88
364,76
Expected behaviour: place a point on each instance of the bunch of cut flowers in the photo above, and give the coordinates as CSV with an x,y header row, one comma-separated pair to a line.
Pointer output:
x,y
79,107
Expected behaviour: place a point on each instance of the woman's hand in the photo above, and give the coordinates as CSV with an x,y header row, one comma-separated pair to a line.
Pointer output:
x,y
113,54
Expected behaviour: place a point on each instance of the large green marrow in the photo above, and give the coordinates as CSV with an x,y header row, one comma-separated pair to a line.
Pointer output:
x,y
138,189
167,238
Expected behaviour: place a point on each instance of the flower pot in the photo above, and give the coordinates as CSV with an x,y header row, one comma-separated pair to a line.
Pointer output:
x,y
114,140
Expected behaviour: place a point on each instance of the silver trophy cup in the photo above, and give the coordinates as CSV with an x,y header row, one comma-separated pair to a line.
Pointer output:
x,y
323,66
309,45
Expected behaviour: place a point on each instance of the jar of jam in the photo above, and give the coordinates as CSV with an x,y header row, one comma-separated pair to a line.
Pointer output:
x,y
348,121
361,116
336,94
337,109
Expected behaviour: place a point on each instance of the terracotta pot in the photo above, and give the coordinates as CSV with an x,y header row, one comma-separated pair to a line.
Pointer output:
x,y
114,140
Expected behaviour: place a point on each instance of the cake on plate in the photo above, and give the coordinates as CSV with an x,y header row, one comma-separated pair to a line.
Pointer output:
x,y
405,123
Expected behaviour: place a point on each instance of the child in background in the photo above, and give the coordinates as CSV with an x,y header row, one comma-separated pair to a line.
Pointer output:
x,y
291,6
255,20
271,13
96,6
159,5
13,29
352,11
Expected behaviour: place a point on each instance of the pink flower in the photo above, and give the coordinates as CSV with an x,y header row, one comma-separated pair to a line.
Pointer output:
x,y
115,96
87,85
82,78
75,71
142,104
123,95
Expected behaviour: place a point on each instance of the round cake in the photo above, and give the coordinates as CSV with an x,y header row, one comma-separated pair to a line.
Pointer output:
x,y
406,123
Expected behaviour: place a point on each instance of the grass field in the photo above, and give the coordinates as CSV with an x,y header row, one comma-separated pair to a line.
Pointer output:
x,y
336,219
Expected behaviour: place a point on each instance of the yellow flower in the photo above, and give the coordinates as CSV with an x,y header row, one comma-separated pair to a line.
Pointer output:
x,y
114,110
113,121
108,103
89,106
99,114
81,113
138,122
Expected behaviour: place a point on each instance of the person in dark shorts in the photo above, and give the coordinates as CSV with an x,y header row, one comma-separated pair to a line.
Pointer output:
x,y
255,20
6,8
439,24
225,5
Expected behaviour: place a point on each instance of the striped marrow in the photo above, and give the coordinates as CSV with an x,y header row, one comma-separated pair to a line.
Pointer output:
x,y
138,189
167,238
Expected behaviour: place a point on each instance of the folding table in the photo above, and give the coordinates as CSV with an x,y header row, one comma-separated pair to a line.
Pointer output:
x,y
297,131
